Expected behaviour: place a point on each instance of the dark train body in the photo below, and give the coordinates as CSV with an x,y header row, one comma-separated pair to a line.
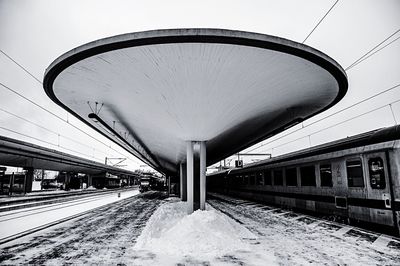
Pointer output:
x,y
106,180
357,178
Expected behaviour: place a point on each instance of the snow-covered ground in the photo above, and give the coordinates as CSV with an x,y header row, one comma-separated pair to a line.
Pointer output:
x,y
150,229
258,235
100,238
295,239
205,237
17,221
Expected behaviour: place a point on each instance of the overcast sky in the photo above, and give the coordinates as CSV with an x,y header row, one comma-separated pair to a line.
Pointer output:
x,y
35,32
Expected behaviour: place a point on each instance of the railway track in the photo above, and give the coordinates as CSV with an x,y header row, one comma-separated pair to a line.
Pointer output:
x,y
14,216
47,208
33,201
99,236
227,205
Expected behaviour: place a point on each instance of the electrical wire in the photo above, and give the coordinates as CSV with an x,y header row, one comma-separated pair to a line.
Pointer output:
x,y
51,131
319,22
62,119
26,71
50,112
334,125
328,116
358,61
366,57
50,143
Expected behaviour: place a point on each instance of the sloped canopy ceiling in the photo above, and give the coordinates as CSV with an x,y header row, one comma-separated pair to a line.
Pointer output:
x,y
155,90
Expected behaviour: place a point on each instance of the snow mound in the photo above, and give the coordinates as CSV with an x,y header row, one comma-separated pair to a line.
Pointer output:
x,y
203,235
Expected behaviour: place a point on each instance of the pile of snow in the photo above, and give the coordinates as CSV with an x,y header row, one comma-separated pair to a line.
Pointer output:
x,y
173,236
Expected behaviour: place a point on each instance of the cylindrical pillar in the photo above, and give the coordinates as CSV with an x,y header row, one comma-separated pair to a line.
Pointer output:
x,y
29,179
203,170
10,190
89,182
183,179
169,185
189,175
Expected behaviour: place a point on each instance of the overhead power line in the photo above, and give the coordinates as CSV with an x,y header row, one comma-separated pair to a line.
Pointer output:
x,y
356,62
57,116
323,118
367,54
24,69
50,143
45,109
319,22
334,125
52,131
366,57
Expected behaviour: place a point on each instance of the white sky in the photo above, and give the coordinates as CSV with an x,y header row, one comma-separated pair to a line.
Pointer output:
x,y
35,32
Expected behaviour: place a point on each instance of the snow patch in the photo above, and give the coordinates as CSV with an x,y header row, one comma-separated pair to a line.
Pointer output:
x,y
171,236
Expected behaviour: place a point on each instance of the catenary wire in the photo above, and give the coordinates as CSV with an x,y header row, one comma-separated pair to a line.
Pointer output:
x,y
47,142
328,116
24,69
319,22
366,54
50,112
366,57
358,61
51,131
57,116
334,125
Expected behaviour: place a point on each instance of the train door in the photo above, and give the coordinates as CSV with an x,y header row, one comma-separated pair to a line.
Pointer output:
x,y
338,169
378,185
393,164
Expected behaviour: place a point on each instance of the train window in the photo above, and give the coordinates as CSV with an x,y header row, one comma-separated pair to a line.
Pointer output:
x,y
246,180
291,177
325,171
278,178
252,179
267,177
376,173
307,174
341,202
355,177
234,180
241,180
259,179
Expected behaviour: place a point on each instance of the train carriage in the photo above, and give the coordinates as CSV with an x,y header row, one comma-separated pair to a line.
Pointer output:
x,y
356,178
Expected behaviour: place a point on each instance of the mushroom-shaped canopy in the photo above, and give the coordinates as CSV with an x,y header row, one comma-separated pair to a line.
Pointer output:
x,y
152,91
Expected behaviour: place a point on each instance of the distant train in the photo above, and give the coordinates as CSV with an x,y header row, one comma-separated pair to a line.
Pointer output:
x,y
356,178
148,181
106,180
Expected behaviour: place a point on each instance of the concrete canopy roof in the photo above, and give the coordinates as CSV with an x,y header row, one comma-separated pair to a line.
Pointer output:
x,y
158,89
18,153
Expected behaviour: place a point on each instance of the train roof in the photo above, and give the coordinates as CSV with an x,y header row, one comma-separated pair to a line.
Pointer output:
x,y
367,138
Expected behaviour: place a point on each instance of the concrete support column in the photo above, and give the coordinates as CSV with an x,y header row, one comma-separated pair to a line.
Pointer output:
x,y
189,172
196,170
169,185
28,179
68,180
203,169
183,182
89,180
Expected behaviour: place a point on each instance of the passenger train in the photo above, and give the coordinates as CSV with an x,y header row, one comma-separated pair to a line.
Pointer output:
x,y
356,179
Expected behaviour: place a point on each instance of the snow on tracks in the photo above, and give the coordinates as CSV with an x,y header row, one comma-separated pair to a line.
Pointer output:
x,y
298,239
99,238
